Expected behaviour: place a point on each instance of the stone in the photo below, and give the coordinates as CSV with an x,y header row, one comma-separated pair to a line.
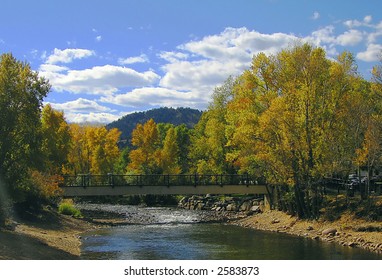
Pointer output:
x,y
329,231
275,221
255,209
231,207
309,228
245,206
201,206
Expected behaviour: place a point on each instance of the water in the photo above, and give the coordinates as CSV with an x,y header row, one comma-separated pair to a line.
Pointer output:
x,y
179,236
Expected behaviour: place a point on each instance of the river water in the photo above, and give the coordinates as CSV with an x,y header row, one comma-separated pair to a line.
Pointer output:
x,y
174,234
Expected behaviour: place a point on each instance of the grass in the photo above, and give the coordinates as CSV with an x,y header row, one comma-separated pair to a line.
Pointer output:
x,y
369,209
67,207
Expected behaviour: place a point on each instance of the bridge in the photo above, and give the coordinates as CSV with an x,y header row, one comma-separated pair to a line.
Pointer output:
x,y
184,184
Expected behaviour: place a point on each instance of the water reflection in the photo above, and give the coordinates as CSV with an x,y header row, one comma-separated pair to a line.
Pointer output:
x,y
208,241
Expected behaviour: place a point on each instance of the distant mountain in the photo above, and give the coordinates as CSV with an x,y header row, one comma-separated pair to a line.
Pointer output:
x,y
177,116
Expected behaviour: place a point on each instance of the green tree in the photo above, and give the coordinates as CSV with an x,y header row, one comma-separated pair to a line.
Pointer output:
x,y
208,143
21,95
183,136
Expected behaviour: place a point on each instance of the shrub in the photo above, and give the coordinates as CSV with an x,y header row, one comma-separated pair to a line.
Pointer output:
x,y
67,208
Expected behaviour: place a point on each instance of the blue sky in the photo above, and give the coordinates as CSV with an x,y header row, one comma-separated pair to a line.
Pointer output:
x,y
105,59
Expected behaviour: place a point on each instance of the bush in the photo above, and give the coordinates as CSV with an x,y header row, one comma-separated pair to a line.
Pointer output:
x,y
67,208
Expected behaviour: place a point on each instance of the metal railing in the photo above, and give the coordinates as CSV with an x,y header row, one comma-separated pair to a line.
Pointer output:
x,y
115,180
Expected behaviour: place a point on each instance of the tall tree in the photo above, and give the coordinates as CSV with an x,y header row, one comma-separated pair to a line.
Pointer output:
x,y
93,150
168,157
208,143
21,95
145,139
56,139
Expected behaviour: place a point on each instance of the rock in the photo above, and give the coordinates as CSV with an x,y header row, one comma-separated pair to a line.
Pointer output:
x,y
231,207
329,231
245,206
309,228
275,221
201,206
255,209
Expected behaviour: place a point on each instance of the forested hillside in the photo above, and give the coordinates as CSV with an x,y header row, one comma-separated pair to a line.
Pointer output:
x,y
177,116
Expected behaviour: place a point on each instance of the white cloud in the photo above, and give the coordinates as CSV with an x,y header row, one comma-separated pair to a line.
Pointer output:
x,y
323,36
367,19
52,68
316,15
173,56
102,80
213,58
135,59
157,96
96,118
68,55
372,53
99,38
356,23
80,105
350,38
239,44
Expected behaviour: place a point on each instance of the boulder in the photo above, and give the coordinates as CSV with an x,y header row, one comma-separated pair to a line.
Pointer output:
x,y
245,206
231,207
329,231
255,209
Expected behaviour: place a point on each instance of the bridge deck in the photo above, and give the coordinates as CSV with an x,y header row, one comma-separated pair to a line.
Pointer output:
x,y
100,185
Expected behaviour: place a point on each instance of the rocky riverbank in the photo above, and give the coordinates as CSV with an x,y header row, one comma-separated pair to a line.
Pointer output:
x,y
223,204
347,231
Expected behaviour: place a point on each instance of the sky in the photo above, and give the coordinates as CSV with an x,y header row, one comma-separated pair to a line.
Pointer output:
x,y
106,59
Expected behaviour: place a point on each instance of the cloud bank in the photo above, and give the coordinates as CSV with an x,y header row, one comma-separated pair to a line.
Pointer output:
x,y
186,75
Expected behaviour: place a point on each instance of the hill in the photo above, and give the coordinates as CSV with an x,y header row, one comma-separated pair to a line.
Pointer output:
x,y
177,116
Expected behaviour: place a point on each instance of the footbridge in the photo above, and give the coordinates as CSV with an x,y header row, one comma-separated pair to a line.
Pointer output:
x,y
184,184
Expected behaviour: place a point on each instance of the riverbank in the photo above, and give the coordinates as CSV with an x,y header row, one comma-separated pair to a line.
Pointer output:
x,y
347,230
56,236
44,237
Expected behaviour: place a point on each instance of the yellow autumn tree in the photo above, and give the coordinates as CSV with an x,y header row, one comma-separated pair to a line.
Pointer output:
x,y
168,157
286,120
56,139
145,139
93,150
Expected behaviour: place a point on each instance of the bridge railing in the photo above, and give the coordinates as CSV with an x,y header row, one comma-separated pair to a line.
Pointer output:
x,y
114,180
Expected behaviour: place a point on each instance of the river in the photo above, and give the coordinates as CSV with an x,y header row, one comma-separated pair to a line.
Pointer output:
x,y
173,234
